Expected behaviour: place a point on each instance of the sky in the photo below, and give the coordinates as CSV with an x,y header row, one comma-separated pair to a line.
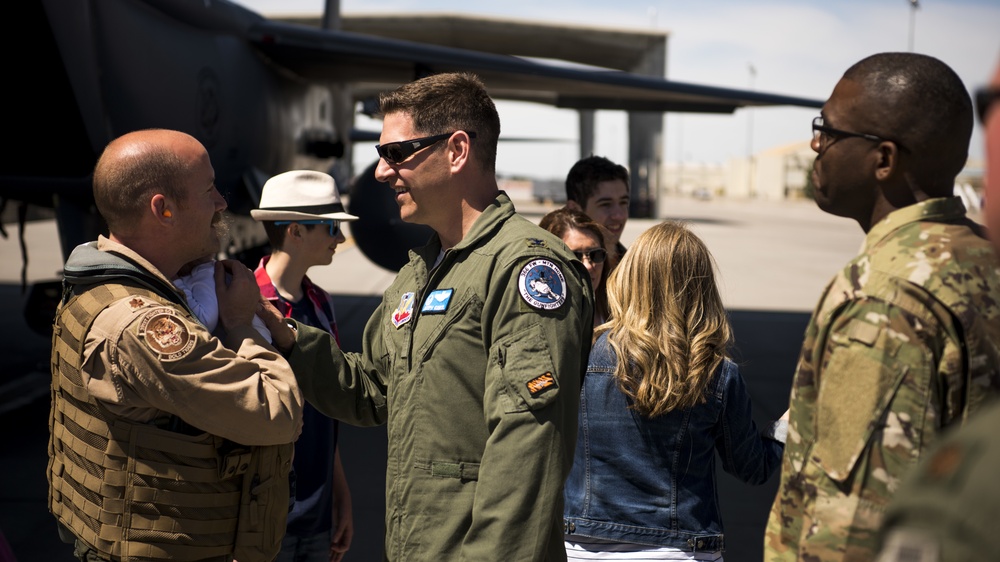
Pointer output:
x,y
798,48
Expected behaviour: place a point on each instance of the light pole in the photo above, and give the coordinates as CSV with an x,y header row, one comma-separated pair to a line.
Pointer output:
x,y
914,4
750,188
680,153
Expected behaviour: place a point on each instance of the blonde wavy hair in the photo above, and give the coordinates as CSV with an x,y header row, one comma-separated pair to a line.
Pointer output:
x,y
668,326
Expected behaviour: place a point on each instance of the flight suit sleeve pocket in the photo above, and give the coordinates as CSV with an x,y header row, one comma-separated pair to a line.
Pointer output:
x,y
525,364
857,385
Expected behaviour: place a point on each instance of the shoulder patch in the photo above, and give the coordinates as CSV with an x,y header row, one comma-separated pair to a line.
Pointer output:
x,y
541,383
535,242
542,284
404,311
165,333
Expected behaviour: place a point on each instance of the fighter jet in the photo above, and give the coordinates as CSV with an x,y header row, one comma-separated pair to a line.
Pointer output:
x,y
264,96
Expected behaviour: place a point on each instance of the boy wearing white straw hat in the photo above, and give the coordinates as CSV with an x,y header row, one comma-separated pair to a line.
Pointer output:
x,y
302,215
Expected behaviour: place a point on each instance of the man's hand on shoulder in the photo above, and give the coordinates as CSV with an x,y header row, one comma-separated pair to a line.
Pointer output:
x,y
282,335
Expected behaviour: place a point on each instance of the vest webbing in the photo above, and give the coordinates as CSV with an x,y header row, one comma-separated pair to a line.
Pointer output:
x,y
134,491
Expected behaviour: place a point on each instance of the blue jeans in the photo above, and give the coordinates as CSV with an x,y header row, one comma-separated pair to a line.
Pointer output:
x,y
305,549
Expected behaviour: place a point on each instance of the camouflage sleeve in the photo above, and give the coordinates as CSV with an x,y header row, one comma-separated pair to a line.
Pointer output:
x,y
884,385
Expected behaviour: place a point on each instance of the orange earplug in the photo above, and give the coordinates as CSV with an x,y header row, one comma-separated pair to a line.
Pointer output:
x,y
167,213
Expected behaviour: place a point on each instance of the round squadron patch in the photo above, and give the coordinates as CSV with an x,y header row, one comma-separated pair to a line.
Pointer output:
x,y
166,334
542,284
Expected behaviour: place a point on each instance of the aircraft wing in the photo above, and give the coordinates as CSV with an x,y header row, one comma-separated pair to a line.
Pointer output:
x,y
373,64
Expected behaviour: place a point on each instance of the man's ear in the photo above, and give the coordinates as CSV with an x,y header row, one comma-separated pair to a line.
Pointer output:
x,y
161,208
573,205
888,161
460,148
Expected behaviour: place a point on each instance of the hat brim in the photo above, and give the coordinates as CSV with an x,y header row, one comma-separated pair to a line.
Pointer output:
x,y
284,215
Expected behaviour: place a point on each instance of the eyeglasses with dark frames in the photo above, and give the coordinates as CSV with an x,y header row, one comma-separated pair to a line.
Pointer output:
x,y
333,224
985,98
819,129
595,256
399,152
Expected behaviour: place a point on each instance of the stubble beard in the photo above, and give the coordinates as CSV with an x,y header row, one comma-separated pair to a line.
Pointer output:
x,y
222,224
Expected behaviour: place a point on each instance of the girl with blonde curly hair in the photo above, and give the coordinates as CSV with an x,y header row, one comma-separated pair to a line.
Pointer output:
x,y
660,398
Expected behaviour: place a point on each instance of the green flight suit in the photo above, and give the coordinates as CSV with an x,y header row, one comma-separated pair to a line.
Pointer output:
x,y
476,365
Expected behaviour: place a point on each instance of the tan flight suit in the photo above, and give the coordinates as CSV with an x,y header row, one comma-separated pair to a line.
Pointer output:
x,y
166,443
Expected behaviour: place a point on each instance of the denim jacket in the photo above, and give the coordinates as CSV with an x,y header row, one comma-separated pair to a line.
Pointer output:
x,y
652,481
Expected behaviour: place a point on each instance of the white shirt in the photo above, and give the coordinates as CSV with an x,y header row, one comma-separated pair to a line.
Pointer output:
x,y
199,288
580,548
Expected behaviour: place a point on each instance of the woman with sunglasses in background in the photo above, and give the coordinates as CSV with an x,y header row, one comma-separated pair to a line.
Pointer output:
x,y
302,214
589,241
660,399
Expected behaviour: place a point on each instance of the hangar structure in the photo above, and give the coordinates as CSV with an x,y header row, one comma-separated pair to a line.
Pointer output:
x,y
635,51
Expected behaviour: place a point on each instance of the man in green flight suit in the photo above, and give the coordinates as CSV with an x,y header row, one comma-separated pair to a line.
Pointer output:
x,y
474,357
903,342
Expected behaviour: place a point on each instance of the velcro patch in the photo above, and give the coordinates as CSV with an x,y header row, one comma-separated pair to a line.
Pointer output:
x,y
535,242
541,384
437,301
404,311
542,285
165,333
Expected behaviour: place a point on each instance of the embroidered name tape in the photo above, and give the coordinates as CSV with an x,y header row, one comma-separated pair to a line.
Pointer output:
x,y
437,301
542,285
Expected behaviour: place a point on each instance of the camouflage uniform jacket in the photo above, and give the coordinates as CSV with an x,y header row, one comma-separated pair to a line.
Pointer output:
x,y
476,362
902,345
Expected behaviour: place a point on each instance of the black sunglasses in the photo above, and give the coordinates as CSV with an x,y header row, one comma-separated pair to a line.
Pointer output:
x,y
595,256
398,152
819,129
985,97
334,225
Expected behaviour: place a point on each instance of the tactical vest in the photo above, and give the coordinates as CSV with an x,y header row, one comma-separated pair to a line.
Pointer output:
x,y
134,491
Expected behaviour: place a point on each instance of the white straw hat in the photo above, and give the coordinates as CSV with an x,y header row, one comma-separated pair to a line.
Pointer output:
x,y
300,195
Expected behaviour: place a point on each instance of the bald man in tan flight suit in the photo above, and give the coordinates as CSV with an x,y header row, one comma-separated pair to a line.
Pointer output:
x,y
167,442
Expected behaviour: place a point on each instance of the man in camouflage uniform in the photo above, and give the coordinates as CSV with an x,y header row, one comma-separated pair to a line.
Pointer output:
x,y
903,343
947,509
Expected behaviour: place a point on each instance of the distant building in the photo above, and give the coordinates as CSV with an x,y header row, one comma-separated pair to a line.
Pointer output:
x,y
781,172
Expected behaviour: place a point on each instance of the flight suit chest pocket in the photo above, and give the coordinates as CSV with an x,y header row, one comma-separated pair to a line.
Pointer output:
x,y
525,365
858,383
458,321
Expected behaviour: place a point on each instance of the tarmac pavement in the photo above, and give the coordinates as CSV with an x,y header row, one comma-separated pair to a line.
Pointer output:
x,y
774,259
